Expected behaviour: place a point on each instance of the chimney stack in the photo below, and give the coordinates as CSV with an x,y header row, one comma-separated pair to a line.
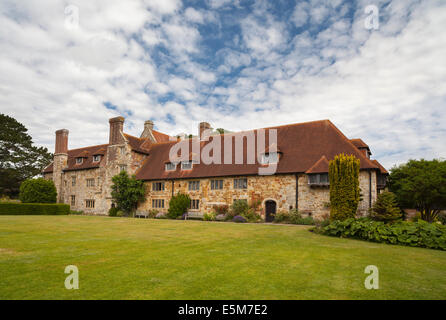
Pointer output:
x,y
116,130
147,132
61,142
202,128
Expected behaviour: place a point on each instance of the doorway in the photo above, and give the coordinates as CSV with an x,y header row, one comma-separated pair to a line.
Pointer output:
x,y
270,210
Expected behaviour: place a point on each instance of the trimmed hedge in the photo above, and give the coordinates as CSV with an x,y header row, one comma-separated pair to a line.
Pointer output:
x,y
414,234
8,208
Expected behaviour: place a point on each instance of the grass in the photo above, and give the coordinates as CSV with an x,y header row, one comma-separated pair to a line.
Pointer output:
x,y
120,258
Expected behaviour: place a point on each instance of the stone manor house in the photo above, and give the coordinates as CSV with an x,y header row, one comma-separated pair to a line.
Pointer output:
x,y
303,151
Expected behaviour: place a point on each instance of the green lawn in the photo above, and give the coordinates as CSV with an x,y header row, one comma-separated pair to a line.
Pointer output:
x,y
121,258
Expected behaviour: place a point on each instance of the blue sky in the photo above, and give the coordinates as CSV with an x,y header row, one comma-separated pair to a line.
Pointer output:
x,y
236,64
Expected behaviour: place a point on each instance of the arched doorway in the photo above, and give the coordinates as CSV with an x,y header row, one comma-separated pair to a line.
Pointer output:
x,y
270,210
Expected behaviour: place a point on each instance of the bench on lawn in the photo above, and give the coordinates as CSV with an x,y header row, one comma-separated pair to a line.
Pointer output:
x,y
141,214
194,215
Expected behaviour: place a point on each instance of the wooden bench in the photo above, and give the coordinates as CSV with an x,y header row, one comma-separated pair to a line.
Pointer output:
x,y
194,215
141,214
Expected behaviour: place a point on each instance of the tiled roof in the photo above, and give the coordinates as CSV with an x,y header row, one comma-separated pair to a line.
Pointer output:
x,y
321,166
359,143
137,144
381,168
301,145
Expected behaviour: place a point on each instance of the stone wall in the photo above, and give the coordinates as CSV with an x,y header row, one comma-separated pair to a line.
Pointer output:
x,y
280,188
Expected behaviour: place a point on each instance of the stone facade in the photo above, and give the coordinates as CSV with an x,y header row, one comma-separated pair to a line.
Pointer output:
x,y
88,188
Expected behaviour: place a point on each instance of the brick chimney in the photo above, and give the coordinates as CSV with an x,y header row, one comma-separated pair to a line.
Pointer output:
x,y
116,131
61,146
202,127
147,132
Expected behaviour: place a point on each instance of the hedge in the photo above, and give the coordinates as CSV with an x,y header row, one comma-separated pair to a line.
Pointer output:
x,y
414,234
8,208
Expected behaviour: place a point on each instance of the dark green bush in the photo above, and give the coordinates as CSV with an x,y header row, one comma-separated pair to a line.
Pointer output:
x,y
38,191
178,205
76,213
292,217
34,209
415,234
113,212
385,208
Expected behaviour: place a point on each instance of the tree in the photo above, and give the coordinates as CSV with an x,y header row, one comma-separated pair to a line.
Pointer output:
x,y
178,205
19,159
421,185
127,192
220,130
38,191
344,187
385,208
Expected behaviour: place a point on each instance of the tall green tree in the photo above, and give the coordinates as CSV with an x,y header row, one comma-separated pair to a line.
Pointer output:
x,y
38,191
19,158
385,208
344,187
127,192
421,185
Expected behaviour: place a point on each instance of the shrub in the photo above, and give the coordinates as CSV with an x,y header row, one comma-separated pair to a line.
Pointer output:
x,y
281,217
153,213
38,191
238,219
120,213
385,208
307,221
161,215
415,234
209,216
251,216
239,207
34,209
294,216
178,205
442,218
221,209
113,212
127,192
76,213
344,187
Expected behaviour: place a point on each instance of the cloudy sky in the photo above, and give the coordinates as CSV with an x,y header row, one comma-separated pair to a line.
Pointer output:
x,y
237,64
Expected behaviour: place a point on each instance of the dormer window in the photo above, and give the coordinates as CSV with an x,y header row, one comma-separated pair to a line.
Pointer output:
x,y
171,166
186,165
79,160
96,158
270,158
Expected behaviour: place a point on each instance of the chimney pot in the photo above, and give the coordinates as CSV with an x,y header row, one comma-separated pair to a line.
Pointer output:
x,y
61,141
147,132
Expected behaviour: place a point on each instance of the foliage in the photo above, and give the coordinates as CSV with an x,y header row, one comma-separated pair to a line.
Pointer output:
x,y
251,215
221,209
178,205
19,158
293,217
127,192
10,208
161,215
220,217
385,208
415,234
238,219
281,216
153,213
239,207
113,212
442,218
420,184
344,187
38,191
76,212
209,216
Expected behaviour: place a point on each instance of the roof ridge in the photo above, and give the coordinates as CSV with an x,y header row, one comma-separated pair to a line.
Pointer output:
x,y
99,145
